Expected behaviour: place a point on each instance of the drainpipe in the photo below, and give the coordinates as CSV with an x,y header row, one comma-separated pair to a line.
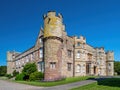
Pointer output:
x,y
74,57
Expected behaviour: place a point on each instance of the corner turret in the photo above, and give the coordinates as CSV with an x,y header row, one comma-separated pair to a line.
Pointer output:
x,y
53,24
110,63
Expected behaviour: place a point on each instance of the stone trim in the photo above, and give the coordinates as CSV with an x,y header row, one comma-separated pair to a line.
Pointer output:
x,y
53,37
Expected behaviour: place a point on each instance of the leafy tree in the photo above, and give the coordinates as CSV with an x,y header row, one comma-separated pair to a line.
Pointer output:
x,y
29,68
117,67
3,70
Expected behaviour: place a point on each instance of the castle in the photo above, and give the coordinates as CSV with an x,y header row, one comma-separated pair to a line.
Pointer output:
x,y
58,55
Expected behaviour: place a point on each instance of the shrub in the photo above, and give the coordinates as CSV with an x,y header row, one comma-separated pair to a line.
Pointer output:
x,y
9,76
15,73
3,70
20,76
36,76
29,68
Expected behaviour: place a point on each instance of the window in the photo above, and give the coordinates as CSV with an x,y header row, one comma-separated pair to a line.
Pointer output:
x,y
69,66
41,53
84,54
40,40
16,63
69,53
98,62
41,66
78,54
78,68
52,65
27,60
78,44
109,66
23,61
31,56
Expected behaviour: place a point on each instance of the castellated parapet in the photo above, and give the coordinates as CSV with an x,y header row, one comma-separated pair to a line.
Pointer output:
x,y
53,25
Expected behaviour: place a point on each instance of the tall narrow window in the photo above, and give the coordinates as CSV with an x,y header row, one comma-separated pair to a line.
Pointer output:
x,y
69,53
109,66
78,54
69,66
27,59
41,53
52,65
78,44
78,68
41,66
40,40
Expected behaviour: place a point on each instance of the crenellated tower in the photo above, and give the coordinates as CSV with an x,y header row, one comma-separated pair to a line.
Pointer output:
x,y
10,61
110,63
53,28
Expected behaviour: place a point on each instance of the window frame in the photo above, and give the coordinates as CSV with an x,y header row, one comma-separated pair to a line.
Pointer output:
x,y
69,66
52,65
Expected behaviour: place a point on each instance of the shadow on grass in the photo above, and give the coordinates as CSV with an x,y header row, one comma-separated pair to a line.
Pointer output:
x,y
113,82
107,81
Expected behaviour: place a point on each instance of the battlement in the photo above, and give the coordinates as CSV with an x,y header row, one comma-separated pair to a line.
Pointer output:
x,y
109,52
81,39
53,25
100,49
11,55
53,14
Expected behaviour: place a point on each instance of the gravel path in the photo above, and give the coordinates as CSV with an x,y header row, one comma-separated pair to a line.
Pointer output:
x,y
6,85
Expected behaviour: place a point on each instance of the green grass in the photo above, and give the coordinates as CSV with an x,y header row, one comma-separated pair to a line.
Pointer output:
x,y
3,78
48,84
107,84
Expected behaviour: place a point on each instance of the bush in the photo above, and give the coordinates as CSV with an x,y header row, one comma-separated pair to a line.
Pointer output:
x,y
29,68
20,76
3,70
9,76
36,76
15,73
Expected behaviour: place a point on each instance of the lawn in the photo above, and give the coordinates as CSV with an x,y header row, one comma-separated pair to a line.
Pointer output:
x,y
107,84
55,83
3,78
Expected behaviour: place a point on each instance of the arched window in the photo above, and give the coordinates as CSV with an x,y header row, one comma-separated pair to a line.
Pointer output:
x,y
78,68
78,54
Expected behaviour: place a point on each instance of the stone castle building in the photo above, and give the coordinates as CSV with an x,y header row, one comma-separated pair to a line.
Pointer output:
x,y
59,55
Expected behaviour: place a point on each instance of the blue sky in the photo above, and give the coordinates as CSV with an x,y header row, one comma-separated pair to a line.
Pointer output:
x,y
97,20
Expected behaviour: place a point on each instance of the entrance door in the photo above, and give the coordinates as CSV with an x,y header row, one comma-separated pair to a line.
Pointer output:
x,y
95,68
87,68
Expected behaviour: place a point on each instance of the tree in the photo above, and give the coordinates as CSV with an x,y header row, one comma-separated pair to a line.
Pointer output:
x,y
3,70
117,67
29,68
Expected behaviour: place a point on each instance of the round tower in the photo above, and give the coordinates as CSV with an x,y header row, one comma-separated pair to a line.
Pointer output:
x,y
110,63
52,46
